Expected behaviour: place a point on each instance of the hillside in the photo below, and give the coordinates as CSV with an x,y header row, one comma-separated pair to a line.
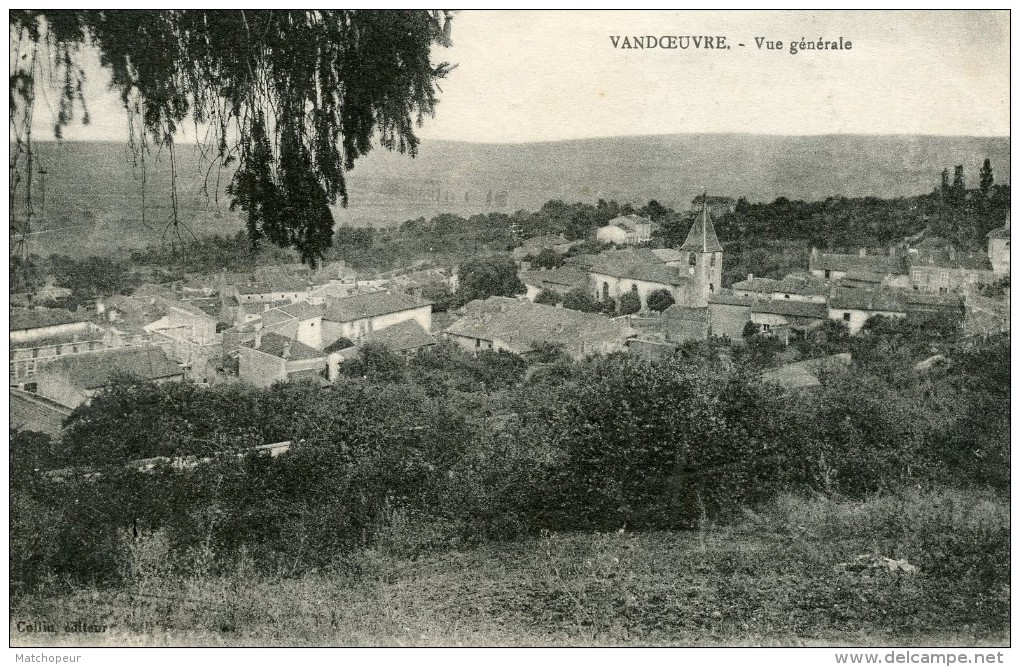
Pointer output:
x,y
94,189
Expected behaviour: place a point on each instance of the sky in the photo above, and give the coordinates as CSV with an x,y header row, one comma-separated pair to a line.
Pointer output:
x,y
525,76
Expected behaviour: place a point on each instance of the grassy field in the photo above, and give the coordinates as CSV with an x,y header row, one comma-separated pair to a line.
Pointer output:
x,y
774,578
91,199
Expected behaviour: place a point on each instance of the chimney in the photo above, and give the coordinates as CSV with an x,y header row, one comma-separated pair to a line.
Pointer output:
x,y
892,252
286,350
258,338
863,252
952,253
750,277
814,250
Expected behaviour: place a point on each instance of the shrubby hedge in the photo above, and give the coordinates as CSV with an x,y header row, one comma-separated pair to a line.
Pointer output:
x,y
448,449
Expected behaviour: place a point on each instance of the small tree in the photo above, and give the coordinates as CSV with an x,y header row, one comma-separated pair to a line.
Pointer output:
x,y
750,329
579,299
547,258
986,177
490,276
630,303
548,297
959,190
660,300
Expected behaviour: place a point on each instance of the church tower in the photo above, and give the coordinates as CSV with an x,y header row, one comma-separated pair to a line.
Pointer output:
x,y
702,258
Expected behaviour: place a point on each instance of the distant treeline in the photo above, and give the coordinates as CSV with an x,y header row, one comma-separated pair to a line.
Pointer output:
x,y
768,239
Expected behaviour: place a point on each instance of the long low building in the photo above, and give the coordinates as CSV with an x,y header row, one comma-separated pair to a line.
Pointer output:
x,y
522,327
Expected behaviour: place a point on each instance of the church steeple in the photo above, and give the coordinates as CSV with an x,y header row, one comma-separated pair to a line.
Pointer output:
x,y
702,236
703,255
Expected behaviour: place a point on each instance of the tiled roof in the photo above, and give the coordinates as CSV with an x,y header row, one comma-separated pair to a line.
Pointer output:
x,y
924,299
276,345
362,306
522,324
804,285
678,312
882,264
279,284
729,299
567,277
637,264
275,317
858,276
407,335
668,254
791,308
947,259
850,298
93,370
31,412
302,310
702,236
184,306
37,318
760,285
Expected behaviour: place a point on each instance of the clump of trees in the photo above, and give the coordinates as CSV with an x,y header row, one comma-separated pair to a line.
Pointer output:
x,y
495,275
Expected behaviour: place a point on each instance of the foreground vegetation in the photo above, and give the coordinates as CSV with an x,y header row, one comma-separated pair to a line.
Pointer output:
x,y
773,577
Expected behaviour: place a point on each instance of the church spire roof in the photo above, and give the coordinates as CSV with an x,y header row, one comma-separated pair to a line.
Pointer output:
x,y
702,236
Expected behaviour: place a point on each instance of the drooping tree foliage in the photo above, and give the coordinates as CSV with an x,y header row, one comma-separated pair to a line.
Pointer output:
x,y
287,99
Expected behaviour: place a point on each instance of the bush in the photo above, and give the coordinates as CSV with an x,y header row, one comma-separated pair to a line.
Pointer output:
x,y
548,297
630,303
660,300
579,299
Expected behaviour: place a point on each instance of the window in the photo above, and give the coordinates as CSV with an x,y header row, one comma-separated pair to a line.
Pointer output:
x,y
605,290
32,387
478,342
692,259
711,261
633,288
711,287
828,274
846,317
786,296
766,327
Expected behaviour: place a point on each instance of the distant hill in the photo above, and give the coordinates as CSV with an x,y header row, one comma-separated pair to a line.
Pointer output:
x,y
93,195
